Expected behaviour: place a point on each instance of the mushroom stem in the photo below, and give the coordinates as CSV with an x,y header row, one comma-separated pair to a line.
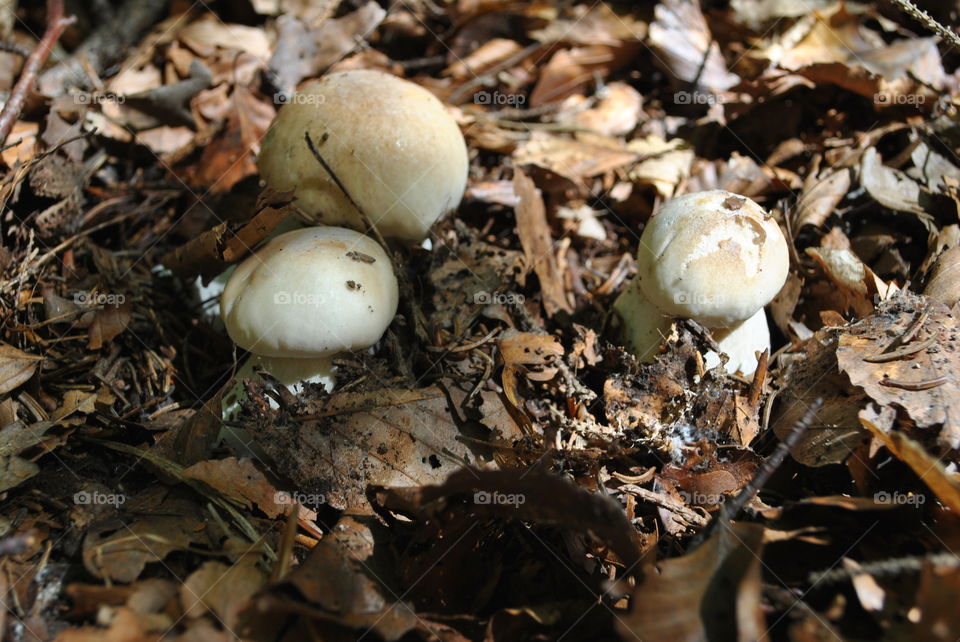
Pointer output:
x,y
644,326
291,372
294,373
741,343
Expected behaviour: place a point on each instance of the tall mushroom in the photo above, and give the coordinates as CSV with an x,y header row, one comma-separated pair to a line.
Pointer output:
x,y
715,257
390,142
307,296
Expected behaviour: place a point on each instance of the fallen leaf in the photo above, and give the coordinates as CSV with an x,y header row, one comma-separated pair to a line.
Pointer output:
x,y
687,49
534,233
385,437
16,366
933,354
240,479
880,422
711,593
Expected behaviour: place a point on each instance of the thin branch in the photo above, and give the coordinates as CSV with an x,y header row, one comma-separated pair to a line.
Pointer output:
x,y
56,23
922,16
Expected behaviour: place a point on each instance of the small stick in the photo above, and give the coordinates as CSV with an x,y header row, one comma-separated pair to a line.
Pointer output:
x,y
905,351
756,386
732,508
922,16
914,385
56,23
343,188
773,462
890,567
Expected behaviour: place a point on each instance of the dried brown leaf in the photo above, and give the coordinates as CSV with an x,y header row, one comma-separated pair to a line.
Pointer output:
x,y
534,233
16,366
681,34
707,594
880,422
890,381
385,437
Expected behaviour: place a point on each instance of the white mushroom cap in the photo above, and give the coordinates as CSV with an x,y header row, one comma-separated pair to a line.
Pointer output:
x,y
391,143
310,293
741,343
713,256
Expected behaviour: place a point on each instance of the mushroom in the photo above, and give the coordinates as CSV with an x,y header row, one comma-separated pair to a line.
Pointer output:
x,y
306,296
715,257
391,143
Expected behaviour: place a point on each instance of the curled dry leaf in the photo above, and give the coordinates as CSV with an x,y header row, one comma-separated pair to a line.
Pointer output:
x,y
304,51
16,366
855,283
221,590
119,551
230,156
711,593
616,113
533,355
681,34
880,422
918,373
542,498
576,160
340,581
944,282
534,233
820,196
890,187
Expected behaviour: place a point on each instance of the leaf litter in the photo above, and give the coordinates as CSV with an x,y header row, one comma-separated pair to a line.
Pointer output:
x,y
498,466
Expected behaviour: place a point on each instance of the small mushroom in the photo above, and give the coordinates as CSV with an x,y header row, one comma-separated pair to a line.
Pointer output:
x,y
715,257
289,306
391,143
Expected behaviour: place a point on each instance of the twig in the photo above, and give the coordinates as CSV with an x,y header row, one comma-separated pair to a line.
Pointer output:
x,y
773,462
922,16
894,566
336,179
732,508
683,511
14,48
56,23
106,46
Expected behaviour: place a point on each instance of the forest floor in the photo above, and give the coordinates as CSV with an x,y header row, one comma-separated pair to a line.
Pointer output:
x,y
499,467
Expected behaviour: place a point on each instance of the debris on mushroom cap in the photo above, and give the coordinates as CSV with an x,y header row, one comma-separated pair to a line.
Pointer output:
x,y
392,144
289,298
713,256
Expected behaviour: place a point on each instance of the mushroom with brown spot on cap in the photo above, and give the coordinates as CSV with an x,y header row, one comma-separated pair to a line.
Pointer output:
x,y
715,257
307,296
391,143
